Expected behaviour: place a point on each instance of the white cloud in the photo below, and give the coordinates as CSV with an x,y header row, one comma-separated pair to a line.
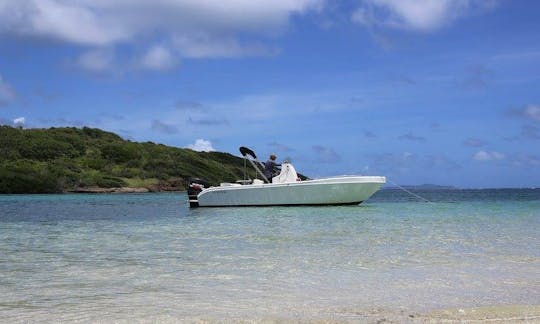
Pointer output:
x,y
74,22
19,121
201,145
407,155
99,23
529,112
421,15
207,46
105,60
7,94
532,112
159,58
488,156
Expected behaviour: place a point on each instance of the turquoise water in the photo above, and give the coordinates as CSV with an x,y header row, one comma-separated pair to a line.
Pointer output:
x,y
148,257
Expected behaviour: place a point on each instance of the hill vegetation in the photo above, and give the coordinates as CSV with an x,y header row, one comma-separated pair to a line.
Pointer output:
x,y
78,159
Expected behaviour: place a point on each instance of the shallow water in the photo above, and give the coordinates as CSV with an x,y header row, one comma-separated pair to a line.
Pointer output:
x,y
148,257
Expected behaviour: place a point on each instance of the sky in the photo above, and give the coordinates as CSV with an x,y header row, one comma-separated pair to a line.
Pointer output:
x,y
423,92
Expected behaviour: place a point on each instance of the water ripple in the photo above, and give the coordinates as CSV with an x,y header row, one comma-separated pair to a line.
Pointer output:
x,y
148,257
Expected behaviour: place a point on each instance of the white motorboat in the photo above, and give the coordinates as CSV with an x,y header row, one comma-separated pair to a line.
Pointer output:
x,y
285,189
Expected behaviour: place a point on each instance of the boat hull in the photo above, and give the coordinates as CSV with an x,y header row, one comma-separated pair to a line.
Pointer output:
x,y
330,191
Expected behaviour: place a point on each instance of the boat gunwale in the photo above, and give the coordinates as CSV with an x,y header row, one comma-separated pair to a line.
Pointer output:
x,y
322,181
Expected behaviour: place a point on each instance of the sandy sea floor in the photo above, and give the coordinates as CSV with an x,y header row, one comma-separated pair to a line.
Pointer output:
x,y
468,257
493,314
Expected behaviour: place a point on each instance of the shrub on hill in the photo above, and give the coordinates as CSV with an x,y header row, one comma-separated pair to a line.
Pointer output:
x,y
60,159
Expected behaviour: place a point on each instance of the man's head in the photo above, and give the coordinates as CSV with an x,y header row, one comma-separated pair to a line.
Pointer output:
x,y
273,157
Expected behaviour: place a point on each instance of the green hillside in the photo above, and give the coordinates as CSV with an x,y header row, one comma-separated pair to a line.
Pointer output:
x,y
72,159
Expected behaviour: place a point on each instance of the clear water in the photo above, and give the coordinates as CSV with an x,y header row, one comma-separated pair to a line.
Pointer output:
x,y
148,257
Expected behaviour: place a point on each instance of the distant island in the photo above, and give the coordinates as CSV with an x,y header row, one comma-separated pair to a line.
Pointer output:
x,y
70,159
423,187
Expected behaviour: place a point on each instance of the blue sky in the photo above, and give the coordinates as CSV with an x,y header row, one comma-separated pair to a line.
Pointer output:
x,y
425,91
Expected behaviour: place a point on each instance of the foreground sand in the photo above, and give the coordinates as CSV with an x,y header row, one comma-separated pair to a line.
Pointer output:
x,y
494,314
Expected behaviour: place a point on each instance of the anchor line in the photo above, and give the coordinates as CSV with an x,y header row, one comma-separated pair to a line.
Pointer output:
x,y
409,192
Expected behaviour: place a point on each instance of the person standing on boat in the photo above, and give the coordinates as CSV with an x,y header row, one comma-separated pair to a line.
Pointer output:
x,y
269,167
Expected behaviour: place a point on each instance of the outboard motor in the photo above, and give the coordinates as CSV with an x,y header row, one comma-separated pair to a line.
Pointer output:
x,y
195,186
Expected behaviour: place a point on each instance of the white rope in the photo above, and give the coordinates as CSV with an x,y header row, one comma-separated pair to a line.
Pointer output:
x,y
412,193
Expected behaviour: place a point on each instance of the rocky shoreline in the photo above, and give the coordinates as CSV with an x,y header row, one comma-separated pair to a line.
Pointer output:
x,y
98,190
108,190
170,185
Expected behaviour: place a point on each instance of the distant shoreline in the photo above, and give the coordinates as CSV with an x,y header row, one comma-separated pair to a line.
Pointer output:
x,y
157,189
449,188
99,190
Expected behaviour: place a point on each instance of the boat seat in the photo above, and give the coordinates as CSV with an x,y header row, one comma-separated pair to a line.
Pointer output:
x,y
288,174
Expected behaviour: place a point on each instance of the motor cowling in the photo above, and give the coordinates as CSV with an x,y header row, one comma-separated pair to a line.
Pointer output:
x,y
195,186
